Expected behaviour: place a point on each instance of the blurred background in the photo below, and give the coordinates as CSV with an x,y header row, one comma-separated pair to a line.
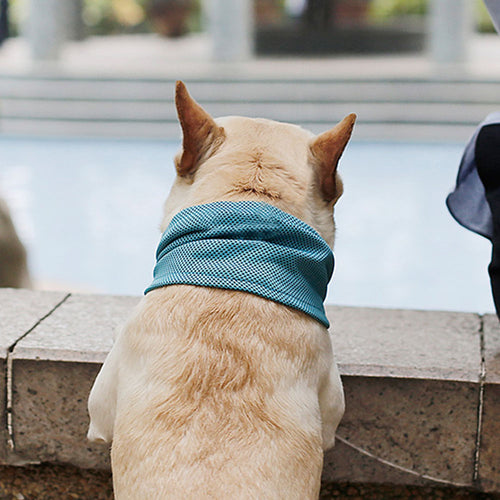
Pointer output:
x,y
88,129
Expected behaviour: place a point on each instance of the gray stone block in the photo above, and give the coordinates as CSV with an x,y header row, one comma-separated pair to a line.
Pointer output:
x,y
406,343
50,413
81,330
406,431
412,382
489,456
53,371
20,311
491,329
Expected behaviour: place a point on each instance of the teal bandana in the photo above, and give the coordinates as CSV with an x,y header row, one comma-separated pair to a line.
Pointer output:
x,y
248,246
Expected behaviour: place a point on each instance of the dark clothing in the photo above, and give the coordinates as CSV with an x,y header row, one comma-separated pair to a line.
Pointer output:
x,y
487,154
467,203
475,202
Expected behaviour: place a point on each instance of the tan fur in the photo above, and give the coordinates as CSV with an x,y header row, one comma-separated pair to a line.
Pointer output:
x,y
13,261
221,394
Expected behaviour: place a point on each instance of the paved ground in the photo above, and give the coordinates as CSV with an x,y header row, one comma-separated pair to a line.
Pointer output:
x,y
150,55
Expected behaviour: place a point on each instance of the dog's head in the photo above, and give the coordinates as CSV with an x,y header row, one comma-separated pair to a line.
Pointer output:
x,y
235,158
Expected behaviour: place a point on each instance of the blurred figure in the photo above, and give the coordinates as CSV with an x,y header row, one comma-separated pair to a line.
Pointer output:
x,y
475,202
488,168
13,261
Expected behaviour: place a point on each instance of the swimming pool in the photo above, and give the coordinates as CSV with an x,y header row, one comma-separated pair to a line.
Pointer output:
x,y
88,212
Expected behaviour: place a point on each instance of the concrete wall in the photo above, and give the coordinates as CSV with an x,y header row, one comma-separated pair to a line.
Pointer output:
x,y
422,388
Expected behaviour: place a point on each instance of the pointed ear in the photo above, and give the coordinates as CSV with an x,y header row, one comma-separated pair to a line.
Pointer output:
x,y
327,149
200,133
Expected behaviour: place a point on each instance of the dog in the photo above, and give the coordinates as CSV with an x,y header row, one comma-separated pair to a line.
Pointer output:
x,y
221,393
13,258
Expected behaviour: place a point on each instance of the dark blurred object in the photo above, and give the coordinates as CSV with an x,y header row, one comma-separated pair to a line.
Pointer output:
x,y
338,27
268,12
475,201
4,20
170,17
318,14
13,260
488,168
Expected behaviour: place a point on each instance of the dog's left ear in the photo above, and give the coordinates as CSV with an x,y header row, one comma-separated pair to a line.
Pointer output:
x,y
199,130
327,148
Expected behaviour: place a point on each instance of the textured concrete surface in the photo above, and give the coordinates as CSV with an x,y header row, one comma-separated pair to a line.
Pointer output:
x,y
489,463
413,383
53,371
406,431
20,311
81,330
404,343
50,413
54,482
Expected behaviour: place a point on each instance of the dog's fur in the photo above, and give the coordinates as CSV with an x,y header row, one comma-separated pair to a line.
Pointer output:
x,y
13,261
211,393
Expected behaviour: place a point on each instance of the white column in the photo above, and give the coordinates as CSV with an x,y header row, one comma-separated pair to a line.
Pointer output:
x,y
72,21
43,29
50,24
231,29
450,27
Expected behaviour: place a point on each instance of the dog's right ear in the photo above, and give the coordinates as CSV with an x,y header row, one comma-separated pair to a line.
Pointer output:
x,y
199,130
327,148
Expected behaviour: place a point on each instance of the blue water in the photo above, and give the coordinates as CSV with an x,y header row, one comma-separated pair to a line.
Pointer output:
x,y
88,212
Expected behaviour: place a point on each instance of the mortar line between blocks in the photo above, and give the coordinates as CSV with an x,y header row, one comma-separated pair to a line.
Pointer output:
x,y
394,465
8,376
482,380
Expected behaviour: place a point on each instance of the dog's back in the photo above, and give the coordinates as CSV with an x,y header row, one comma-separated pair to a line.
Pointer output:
x,y
232,399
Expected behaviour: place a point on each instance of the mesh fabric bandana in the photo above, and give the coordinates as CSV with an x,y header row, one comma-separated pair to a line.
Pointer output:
x,y
248,246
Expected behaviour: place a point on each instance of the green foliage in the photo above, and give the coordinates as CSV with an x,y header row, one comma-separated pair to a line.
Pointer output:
x,y
385,9
104,17
483,19
16,16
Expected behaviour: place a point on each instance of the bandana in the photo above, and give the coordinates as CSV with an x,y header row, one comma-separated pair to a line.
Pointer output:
x,y
248,246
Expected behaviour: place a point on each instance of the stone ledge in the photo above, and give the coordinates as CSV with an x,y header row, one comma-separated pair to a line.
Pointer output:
x,y
419,386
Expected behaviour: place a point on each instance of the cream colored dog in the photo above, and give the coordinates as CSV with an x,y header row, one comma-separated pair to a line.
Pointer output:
x,y
211,393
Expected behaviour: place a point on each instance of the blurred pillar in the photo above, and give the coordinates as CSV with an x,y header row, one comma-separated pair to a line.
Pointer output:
x,y
73,26
4,20
51,23
450,27
44,29
231,29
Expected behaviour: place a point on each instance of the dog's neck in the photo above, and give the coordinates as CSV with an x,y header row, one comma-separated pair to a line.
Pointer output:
x,y
249,246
